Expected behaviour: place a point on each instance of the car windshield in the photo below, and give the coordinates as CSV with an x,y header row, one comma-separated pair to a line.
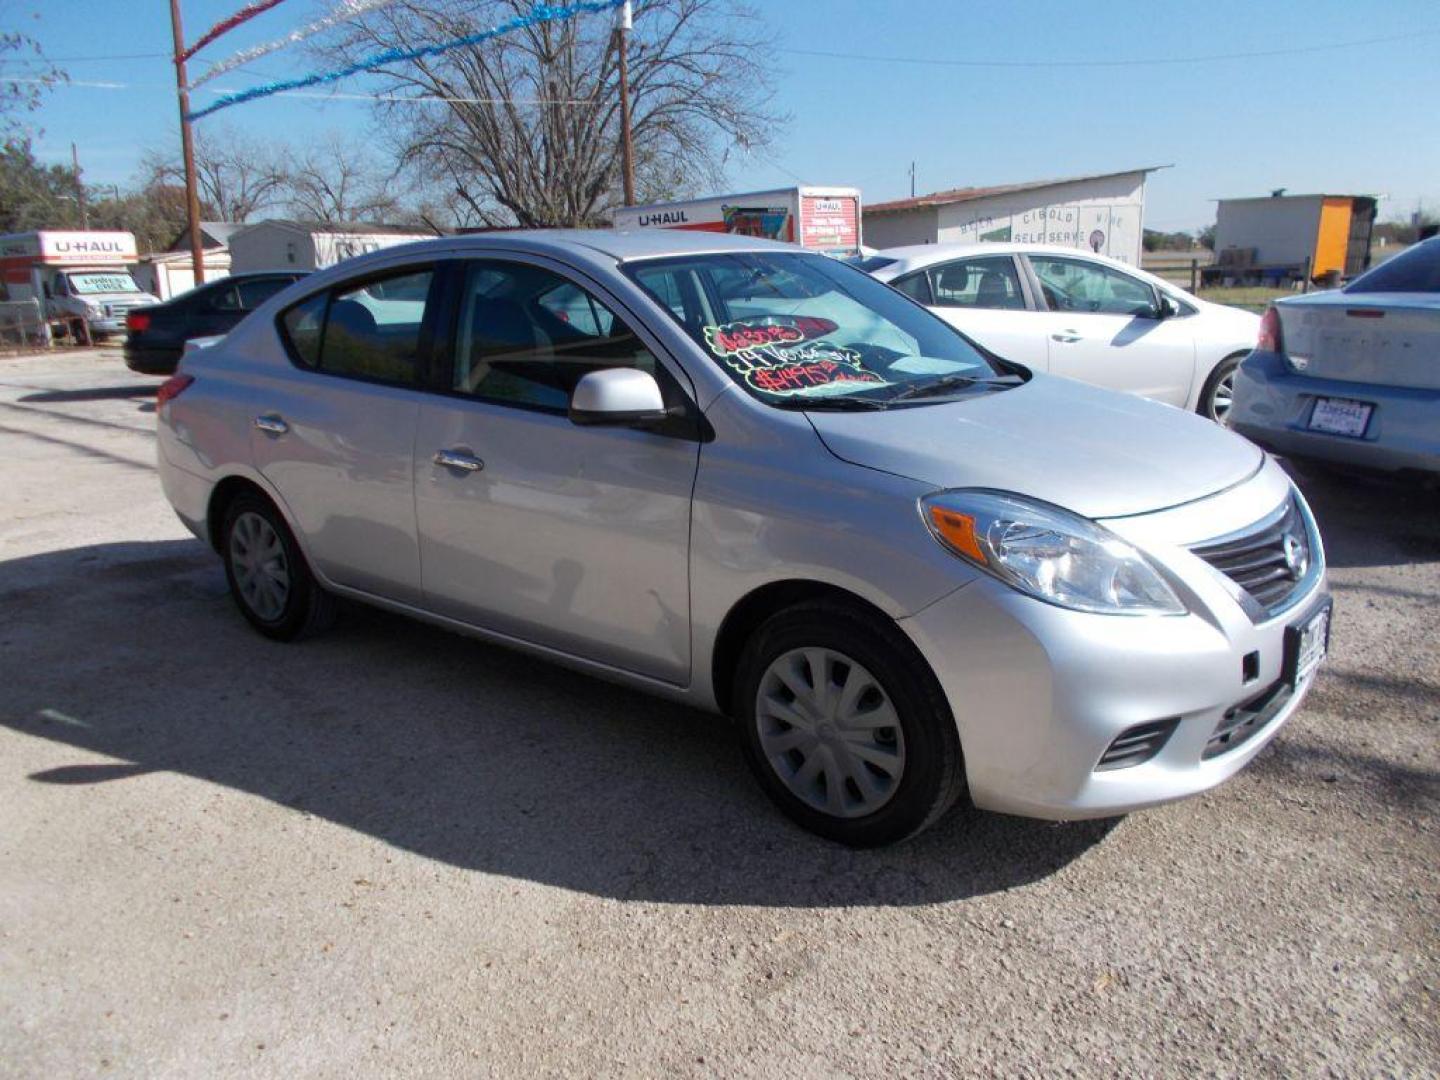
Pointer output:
x,y
871,263
1416,269
803,330
111,281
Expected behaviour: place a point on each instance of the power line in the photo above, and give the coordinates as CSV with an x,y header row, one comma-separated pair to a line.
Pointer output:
x,y
1129,62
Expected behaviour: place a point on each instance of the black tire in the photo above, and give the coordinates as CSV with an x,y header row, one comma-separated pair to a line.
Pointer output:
x,y
933,776
1225,370
307,608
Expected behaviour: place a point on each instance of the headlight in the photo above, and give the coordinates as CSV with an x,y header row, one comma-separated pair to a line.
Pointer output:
x,y
1049,553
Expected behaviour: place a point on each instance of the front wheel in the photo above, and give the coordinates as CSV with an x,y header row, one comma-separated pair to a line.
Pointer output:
x,y
845,726
1218,397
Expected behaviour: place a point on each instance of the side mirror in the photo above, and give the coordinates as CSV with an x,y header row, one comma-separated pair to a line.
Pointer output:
x,y
617,397
1165,307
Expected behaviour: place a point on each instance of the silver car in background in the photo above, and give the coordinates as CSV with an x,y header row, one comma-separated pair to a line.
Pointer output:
x,y
1352,376
758,481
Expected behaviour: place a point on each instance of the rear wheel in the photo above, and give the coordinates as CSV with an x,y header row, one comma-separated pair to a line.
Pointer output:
x,y
269,579
845,726
1218,397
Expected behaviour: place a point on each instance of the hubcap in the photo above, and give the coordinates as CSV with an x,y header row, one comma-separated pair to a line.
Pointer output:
x,y
1223,398
829,731
262,573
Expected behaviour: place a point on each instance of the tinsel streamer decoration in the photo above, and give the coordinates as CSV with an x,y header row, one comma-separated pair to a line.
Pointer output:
x,y
540,13
224,26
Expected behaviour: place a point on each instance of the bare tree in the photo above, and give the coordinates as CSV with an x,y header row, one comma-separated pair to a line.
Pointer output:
x,y
340,181
529,128
237,176
26,77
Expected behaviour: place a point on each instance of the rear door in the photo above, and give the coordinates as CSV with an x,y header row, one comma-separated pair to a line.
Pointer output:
x,y
336,437
985,298
1102,326
576,538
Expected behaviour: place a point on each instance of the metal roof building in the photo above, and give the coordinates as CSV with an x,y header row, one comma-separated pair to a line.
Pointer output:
x,y
1101,212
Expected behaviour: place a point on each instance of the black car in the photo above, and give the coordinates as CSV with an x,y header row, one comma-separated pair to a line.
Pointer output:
x,y
156,335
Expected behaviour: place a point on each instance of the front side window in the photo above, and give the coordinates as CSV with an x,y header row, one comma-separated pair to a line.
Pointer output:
x,y
526,335
1078,285
978,283
367,331
800,328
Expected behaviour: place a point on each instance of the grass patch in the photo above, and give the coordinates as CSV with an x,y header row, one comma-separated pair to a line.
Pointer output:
x,y
1250,297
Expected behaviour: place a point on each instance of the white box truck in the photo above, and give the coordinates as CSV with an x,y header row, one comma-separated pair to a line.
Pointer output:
x,y
818,218
74,275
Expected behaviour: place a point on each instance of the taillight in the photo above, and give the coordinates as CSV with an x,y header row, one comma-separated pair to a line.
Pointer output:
x,y
1269,339
137,322
172,388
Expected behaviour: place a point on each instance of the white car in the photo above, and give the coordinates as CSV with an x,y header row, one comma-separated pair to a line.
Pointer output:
x,y
1082,316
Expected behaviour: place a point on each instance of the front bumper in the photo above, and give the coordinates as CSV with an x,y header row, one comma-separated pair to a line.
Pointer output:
x,y
1040,693
1273,406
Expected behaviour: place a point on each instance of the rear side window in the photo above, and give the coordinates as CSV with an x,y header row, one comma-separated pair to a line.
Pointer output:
x,y
978,283
302,325
224,299
1416,269
367,331
255,293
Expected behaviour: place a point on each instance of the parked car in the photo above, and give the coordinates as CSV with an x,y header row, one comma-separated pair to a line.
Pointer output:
x,y
1352,375
1082,316
156,335
755,480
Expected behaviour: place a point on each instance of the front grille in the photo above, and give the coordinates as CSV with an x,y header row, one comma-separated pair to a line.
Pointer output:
x,y
1137,745
1269,560
1243,721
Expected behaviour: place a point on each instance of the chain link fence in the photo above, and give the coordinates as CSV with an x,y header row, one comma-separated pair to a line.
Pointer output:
x,y
22,323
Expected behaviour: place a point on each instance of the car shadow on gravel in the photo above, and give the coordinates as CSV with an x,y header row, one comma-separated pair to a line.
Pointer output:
x,y
459,751
1371,519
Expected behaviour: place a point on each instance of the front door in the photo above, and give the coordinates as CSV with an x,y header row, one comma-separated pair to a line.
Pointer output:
x,y
337,438
575,538
1103,328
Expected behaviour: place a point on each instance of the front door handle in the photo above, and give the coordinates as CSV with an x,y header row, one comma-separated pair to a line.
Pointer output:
x,y
1069,337
458,459
272,424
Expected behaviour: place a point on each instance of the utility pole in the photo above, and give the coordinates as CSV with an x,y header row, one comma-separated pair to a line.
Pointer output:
x,y
79,188
912,179
623,22
187,144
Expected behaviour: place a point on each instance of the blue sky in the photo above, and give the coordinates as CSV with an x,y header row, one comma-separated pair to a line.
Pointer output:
x,y
1355,119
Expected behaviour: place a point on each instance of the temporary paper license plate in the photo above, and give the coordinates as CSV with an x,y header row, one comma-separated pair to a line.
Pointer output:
x,y
1308,643
1340,416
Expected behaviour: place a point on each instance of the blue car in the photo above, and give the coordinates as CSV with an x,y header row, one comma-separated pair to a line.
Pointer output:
x,y
1352,376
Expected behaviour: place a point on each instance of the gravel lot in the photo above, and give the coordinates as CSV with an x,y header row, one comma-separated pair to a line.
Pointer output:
x,y
395,850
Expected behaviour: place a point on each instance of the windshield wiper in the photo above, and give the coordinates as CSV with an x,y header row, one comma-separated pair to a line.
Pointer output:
x,y
837,403
951,382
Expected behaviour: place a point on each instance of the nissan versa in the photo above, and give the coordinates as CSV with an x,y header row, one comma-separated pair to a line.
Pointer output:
x,y
757,480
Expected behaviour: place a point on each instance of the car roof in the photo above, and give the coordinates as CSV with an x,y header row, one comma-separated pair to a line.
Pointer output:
x,y
915,256
621,245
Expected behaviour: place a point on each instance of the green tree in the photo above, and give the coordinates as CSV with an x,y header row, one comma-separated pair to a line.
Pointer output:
x,y
33,195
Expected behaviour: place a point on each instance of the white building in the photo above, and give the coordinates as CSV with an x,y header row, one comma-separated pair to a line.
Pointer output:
x,y
1104,213
310,245
171,272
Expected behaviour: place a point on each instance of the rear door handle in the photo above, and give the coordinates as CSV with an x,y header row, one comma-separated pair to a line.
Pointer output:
x,y
1069,337
272,424
458,459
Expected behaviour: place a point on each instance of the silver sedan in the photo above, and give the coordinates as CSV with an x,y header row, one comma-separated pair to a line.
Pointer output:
x,y
759,481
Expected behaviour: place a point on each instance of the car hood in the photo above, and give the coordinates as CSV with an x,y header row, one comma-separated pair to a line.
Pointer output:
x,y
1098,453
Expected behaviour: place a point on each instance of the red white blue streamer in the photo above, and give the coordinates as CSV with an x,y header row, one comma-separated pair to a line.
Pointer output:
x,y
540,13
346,9
224,26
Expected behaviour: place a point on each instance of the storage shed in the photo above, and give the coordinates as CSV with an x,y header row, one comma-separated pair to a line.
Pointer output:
x,y
1294,234
278,244
1102,212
